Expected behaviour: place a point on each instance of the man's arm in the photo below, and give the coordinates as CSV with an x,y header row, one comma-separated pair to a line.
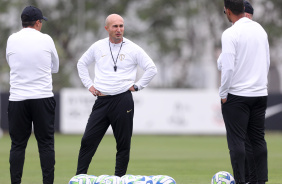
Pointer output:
x,y
226,65
150,70
55,60
82,66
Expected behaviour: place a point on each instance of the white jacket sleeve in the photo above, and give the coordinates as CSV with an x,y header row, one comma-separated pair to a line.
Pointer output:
x,y
54,58
82,66
227,68
147,64
226,64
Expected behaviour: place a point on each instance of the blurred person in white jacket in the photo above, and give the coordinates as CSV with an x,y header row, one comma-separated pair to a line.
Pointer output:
x,y
244,65
32,58
116,59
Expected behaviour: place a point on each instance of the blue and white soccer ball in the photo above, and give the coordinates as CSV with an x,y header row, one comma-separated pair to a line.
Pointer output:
x,y
100,179
111,180
223,177
162,179
91,178
128,179
139,179
82,179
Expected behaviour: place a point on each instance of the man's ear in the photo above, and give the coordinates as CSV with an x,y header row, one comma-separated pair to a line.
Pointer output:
x,y
228,12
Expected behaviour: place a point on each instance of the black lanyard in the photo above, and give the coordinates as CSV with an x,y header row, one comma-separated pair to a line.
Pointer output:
x,y
115,61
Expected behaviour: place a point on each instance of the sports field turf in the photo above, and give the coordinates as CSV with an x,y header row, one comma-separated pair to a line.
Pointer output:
x,y
188,159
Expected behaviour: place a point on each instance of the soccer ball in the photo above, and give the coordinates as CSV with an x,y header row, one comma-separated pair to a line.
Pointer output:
x,y
100,179
163,179
143,180
222,177
128,179
82,179
91,178
111,180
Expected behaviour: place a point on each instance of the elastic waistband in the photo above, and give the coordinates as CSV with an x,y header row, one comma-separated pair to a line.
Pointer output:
x,y
112,96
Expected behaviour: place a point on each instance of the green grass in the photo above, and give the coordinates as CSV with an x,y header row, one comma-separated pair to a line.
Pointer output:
x,y
188,159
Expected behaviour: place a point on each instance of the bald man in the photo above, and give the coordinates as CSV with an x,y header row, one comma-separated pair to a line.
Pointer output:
x,y
116,59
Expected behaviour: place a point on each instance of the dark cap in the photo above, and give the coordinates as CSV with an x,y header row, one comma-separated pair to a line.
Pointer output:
x,y
248,7
31,13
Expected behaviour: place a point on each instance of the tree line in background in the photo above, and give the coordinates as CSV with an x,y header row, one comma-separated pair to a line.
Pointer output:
x,y
181,36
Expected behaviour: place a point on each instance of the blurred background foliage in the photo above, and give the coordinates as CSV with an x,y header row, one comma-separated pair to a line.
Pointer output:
x,y
181,36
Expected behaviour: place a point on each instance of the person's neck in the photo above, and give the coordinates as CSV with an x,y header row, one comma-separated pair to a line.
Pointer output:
x,y
116,41
33,28
237,17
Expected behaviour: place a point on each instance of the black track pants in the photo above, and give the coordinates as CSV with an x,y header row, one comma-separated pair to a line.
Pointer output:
x,y
246,116
21,115
117,111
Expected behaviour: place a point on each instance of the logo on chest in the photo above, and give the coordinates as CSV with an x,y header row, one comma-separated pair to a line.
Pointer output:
x,y
121,57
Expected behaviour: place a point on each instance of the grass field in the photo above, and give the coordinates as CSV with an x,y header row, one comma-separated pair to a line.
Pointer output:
x,y
188,159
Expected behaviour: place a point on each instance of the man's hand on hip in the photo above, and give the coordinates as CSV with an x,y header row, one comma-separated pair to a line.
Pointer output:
x,y
131,88
94,91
